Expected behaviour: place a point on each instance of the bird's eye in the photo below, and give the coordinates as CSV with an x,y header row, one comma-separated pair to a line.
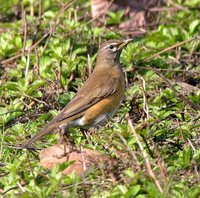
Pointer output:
x,y
112,48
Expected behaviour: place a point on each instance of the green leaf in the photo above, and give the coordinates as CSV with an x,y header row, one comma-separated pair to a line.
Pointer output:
x,y
186,156
170,32
115,17
11,86
58,51
195,25
122,188
35,85
64,165
133,190
196,155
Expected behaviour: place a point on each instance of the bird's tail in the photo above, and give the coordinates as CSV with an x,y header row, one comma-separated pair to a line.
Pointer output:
x,y
46,130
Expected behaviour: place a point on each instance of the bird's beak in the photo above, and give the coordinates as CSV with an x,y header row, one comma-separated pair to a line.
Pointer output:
x,y
124,43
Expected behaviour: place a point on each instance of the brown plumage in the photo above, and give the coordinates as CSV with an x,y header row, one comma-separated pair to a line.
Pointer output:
x,y
96,102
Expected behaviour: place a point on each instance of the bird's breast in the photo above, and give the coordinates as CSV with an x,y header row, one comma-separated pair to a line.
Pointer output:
x,y
101,112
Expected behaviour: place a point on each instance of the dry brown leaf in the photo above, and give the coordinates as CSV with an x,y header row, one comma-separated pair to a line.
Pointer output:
x,y
137,12
83,159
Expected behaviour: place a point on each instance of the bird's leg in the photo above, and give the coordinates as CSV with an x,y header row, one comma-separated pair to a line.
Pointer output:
x,y
62,140
65,136
67,142
84,132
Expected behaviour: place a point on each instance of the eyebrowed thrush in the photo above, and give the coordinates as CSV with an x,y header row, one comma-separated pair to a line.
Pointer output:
x,y
99,98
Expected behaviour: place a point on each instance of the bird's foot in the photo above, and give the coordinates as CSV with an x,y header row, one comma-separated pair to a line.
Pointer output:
x,y
69,146
66,153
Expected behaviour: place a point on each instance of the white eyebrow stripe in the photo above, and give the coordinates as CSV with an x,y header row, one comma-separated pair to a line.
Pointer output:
x,y
109,45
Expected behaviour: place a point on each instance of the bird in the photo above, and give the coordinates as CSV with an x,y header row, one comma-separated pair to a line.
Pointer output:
x,y
99,98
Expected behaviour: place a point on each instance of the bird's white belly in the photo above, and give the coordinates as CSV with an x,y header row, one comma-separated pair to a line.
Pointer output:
x,y
78,122
101,120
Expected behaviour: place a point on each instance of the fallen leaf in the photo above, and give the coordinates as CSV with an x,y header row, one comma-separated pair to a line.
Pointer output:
x,y
83,159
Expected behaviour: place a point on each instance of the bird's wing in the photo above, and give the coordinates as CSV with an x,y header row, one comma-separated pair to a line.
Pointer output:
x,y
89,95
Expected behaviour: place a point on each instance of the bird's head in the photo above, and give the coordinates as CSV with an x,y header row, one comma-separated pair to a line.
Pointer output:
x,y
109,52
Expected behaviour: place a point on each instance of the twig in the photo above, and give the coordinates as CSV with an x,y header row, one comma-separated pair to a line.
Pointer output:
x,y
12,188
147,145
13,111
83,159
53,27
87,137
130,151
71,78
37,62
31,8
169,9
20,187
170,70
193,148
147,161
27,154
59,74
40,101
160,162
20,51
27,65
12,58
40,40
24,27
47,42
145,103
170,48
186,100
40,8
19,147
89,64
171,2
